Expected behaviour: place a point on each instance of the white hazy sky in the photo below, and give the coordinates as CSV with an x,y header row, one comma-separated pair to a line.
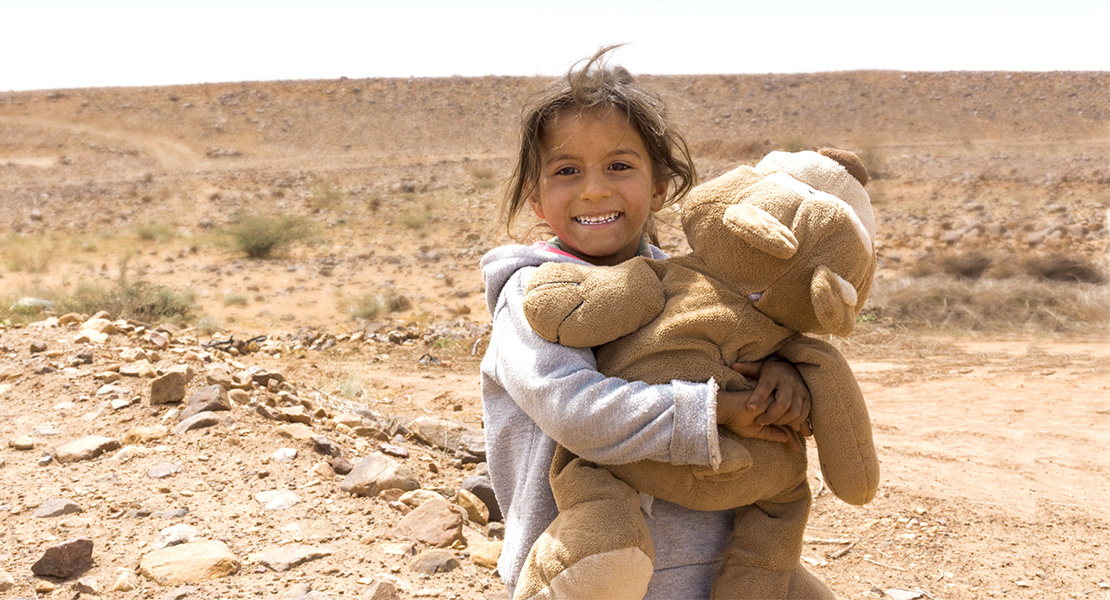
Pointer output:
x,y
47,44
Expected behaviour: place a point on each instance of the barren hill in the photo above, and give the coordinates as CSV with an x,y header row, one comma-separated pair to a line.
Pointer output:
x,y
983,352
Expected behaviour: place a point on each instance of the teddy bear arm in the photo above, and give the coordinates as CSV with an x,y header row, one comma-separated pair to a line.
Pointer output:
x,y
841,425
582,306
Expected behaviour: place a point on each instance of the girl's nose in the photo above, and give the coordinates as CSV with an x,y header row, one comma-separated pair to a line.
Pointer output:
x,y
594,189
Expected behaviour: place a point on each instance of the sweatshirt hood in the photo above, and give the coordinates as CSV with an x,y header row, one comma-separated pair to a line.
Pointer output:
x,y
499,264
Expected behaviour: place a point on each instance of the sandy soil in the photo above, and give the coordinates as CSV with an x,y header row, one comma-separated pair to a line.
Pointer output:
x,y
992,443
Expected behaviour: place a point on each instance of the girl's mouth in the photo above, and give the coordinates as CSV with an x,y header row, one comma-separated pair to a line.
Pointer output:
x,y
598,219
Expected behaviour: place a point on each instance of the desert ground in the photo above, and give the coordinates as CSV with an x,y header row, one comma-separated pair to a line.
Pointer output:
x,y
983,353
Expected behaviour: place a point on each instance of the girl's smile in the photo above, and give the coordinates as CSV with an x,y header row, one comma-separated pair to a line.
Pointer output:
x,y
596,188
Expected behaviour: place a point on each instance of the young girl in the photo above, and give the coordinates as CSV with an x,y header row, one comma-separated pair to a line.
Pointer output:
x,y
597,158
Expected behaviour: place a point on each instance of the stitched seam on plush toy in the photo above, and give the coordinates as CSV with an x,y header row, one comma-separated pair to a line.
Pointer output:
x,y
558,336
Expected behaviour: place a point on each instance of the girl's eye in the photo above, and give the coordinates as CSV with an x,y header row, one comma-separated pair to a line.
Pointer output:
x,y
620,166
566,171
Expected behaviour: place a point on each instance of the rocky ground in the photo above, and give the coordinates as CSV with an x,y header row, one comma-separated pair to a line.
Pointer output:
x,y
274,445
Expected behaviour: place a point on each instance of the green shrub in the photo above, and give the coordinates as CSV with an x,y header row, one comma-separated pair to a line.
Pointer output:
x,y
259,236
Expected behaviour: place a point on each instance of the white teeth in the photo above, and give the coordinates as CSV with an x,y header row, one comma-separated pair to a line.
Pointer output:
x,y
597,220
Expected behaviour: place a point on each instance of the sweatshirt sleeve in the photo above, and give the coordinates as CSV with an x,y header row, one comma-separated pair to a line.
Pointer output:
x,y
603,419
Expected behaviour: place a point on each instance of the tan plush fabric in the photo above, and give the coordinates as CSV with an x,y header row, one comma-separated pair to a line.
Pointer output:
x,y
782,248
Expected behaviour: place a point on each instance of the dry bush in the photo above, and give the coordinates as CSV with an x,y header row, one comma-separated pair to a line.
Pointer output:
x,y
371,306
986,304
155,232
27,254
1065,267
324,195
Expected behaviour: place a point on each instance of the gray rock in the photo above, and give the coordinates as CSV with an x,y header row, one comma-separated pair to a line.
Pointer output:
x,y
197,421
277,499
283,558
86,448
167,389
66,559
56,507
176,513
378,472
430,562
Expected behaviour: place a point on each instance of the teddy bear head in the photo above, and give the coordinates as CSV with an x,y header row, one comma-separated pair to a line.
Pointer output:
x,y
794,234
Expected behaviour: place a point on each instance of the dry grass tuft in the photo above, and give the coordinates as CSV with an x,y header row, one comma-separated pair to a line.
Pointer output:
x,y
371,306
987,304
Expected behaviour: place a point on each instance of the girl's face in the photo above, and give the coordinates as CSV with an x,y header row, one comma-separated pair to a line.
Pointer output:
x,y
596,187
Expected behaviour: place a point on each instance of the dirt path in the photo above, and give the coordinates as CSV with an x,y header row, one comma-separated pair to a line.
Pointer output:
x,y
1013,426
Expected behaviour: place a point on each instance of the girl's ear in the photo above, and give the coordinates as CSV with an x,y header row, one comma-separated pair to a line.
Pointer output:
x,y
534,201
659,195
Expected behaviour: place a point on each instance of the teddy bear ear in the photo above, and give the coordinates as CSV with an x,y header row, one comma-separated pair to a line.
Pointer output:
x,y
834,301
763,231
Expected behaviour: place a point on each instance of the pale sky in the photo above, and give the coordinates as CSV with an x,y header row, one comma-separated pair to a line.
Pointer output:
x,y
48,44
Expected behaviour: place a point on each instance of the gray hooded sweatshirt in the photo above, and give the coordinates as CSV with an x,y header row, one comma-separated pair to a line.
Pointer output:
x,y
536,393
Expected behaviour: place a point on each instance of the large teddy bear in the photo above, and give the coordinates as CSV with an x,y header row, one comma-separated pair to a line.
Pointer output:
x,y
778,249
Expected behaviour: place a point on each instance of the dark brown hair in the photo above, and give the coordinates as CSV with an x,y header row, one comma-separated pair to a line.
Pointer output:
x,y
596,85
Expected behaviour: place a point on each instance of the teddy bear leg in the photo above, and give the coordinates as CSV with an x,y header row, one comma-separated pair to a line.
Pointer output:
x,y
598,547
806,586
765,548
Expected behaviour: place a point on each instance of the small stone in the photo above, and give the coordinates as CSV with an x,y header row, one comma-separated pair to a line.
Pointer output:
x,y
86,448
186,563
88,585
284,455
434,561
398,451
325,446
126,581
437,523
145,433
7,582
485,555
380,590
415,498
37,347
163,470
174,535
378,472
239,397
197,421
277,499
208,398
23,442
56,507
296,431
482,487
283,558
65,559
167,389
476,510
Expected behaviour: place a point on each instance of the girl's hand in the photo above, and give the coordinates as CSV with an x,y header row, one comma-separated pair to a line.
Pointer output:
x,y
780,396
734,414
